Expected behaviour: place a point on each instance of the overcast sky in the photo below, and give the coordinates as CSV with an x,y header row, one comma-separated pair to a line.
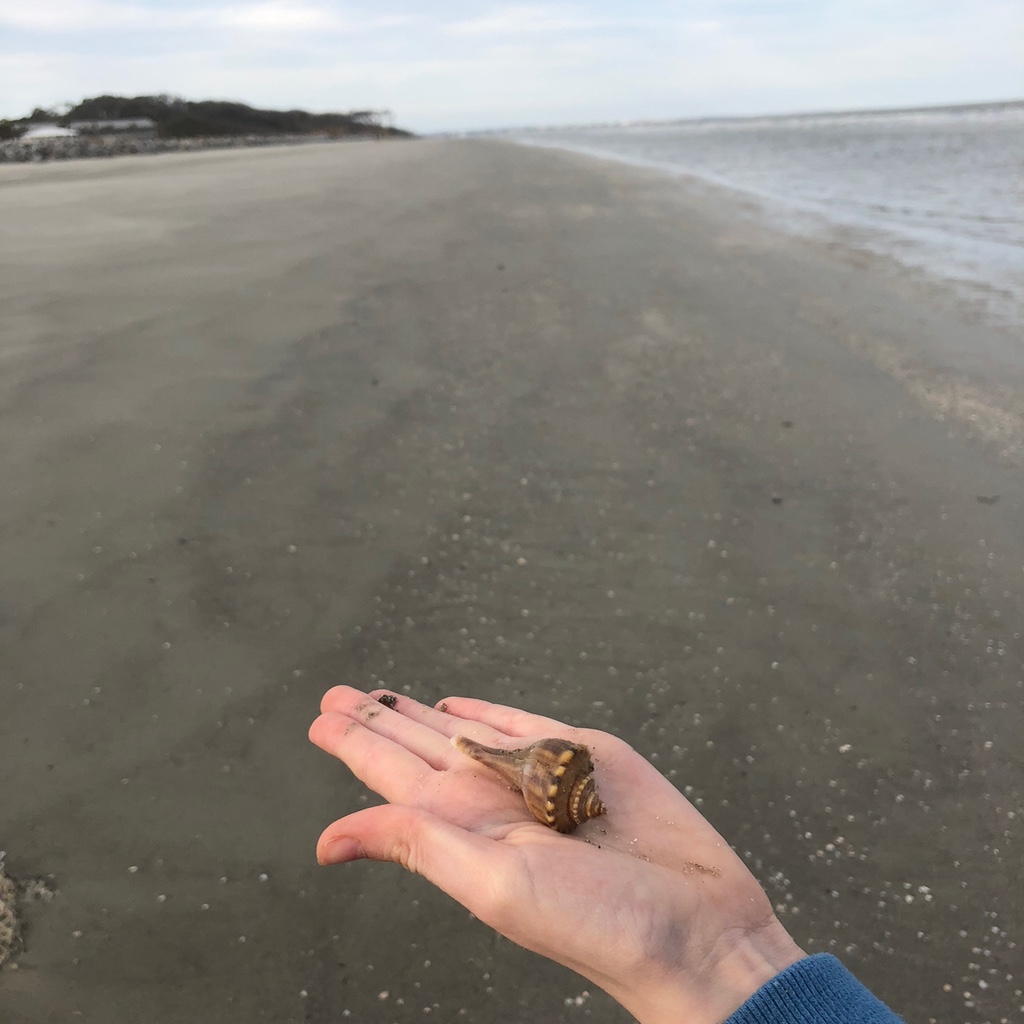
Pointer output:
x,y
458,64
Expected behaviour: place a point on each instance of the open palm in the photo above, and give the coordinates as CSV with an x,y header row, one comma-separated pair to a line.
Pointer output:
x,y
647,901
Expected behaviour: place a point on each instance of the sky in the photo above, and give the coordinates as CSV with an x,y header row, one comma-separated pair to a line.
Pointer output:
x,y
456,65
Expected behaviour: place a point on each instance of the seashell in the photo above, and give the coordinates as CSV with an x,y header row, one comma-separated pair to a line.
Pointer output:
x,y
555,777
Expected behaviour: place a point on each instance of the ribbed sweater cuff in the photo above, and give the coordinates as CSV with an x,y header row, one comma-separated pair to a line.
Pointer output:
x,y
817,990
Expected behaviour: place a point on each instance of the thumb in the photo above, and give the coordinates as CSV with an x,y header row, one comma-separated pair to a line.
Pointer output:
x,y
461,863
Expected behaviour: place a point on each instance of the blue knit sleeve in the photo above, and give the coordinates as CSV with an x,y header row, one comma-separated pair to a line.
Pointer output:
x,y
817,990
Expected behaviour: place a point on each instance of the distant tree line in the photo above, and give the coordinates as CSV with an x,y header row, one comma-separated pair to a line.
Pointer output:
x,y
178,118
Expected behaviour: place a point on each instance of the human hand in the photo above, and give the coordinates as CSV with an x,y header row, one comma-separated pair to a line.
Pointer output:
x,y
647,901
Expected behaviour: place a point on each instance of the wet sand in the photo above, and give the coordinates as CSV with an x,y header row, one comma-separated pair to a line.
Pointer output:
x,y
461,417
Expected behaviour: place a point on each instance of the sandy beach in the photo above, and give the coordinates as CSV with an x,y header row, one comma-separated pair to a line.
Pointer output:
x,y
467,417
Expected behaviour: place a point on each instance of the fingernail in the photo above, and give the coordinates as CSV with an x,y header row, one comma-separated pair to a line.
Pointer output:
x,y
340,851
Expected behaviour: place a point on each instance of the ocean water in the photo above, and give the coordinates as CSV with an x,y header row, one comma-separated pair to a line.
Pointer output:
x,y
939,190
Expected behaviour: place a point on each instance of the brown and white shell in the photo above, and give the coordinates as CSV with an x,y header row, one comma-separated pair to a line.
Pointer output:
x,y
556,778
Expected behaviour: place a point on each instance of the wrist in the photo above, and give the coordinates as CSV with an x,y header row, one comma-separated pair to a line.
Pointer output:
x,y
724,980
755,959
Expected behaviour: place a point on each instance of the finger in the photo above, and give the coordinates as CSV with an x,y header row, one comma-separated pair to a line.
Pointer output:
x,y
467,866
339,698
444,724
387,767
510,721
423,741
345,698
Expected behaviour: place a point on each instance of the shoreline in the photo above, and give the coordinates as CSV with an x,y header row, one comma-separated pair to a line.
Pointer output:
x,y
474,418
980,271
978,381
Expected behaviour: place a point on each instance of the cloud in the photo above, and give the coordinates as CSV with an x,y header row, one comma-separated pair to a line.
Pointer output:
x,y
268,16
71,15
524,19
296,16
276,16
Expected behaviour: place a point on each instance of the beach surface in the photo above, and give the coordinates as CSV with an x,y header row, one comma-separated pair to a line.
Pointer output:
x,y
466,417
